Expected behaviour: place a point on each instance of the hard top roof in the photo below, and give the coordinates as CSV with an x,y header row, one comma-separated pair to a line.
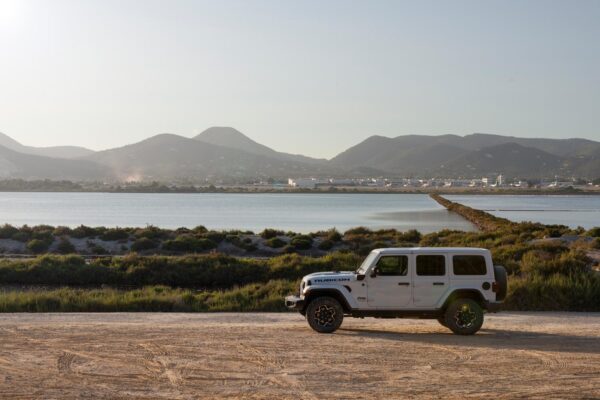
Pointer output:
x,y
432,250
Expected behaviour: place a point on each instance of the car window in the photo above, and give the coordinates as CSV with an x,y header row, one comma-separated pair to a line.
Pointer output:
x,y
431,265
392,266
469,265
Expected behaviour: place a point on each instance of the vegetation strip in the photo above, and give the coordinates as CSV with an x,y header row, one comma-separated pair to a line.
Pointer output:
x,y
549,265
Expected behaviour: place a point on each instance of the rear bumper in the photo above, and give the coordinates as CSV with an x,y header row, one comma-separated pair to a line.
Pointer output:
x,y
493,307
294,303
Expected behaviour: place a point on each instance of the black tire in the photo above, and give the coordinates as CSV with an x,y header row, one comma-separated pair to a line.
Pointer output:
x,y
464,316
324,314
501,281
442,321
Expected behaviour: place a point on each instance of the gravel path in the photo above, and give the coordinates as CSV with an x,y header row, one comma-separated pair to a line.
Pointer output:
x,y
277,356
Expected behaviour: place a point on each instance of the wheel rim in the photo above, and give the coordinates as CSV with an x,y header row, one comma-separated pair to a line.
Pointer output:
x,y
325,315
465,317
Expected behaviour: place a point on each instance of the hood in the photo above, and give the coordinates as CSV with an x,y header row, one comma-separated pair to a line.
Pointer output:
x,y
331,276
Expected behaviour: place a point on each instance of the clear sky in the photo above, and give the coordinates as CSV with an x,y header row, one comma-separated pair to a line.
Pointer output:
x,y
311,77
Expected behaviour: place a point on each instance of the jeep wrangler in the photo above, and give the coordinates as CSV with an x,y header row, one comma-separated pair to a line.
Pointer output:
x,y
456,286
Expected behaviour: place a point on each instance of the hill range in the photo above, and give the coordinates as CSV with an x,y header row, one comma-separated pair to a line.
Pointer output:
x,y
225,154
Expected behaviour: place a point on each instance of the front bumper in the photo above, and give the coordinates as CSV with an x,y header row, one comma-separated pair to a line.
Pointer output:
x,y
294,303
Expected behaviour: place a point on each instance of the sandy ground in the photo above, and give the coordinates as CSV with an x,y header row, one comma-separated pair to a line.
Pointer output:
x,y
277,356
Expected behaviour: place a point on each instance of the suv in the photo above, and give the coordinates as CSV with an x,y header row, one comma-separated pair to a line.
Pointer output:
x,y
453,285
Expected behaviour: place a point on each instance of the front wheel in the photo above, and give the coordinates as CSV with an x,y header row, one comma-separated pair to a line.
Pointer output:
x,y
464,317
325,314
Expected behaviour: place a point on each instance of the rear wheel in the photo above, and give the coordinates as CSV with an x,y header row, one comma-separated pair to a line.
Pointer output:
x,y
464,317
442,321
324,314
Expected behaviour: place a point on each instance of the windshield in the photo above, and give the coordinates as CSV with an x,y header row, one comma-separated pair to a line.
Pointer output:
x,y
363,267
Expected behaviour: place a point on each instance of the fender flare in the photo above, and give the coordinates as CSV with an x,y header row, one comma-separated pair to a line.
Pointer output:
x,y
331,292
465,293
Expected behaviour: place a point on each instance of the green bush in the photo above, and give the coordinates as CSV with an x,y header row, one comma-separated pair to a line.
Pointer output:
x,y
189,243
326,245
144,243
83,231
271,233
150,232
594,232
96,249
275,242
7,231
65,246
115,234
333,235
302,242
411,236
37,246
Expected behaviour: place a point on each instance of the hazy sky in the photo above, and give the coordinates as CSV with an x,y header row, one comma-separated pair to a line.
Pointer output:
x,y
300,76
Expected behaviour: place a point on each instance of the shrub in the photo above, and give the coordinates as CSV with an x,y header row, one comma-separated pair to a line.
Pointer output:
x,y
594,232
302,242
333,235
37,246
62,231
537,262
143,243
83,231
275,243
7,231
115,234
360,230
200,229
150,232
214,236
326,245
95,248
22,235
65,246
189,243
271,233
411,236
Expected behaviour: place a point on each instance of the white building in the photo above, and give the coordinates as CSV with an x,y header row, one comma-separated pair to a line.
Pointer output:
x,y
303,183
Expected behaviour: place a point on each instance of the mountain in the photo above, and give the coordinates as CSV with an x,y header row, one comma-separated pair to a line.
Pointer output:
x,y
28,166
510,159
54,151
560,147
232,138
172,157
472,155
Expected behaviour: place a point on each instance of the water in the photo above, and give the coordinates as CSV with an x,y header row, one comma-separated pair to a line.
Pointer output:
x,y
570,210
287,211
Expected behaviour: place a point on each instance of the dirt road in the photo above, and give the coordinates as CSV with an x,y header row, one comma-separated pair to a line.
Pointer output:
x,y
276,356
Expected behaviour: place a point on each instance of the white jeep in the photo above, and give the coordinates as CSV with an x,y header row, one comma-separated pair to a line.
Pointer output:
x,y
453,285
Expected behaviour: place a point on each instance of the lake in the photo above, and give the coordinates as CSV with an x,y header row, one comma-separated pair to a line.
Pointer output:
x,y
570,210
287,211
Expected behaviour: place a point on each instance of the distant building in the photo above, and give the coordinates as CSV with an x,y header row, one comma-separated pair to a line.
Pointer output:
x,y
500,180
303,183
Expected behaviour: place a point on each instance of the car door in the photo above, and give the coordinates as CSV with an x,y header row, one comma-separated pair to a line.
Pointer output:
x,y
430,279
389,283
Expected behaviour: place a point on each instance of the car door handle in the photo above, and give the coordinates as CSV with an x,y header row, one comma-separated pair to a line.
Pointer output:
x,y
438,283
403,284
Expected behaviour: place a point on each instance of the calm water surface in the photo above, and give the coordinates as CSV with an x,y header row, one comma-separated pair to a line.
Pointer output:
x,y
567,210
297,212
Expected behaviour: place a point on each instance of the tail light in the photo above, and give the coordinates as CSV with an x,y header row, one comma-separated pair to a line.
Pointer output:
x,y
495,287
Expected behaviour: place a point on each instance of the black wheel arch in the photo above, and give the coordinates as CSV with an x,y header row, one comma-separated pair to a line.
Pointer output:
x,y
335,293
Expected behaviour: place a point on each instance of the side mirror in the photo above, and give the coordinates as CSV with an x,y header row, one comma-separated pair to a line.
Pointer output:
x,y
374,272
